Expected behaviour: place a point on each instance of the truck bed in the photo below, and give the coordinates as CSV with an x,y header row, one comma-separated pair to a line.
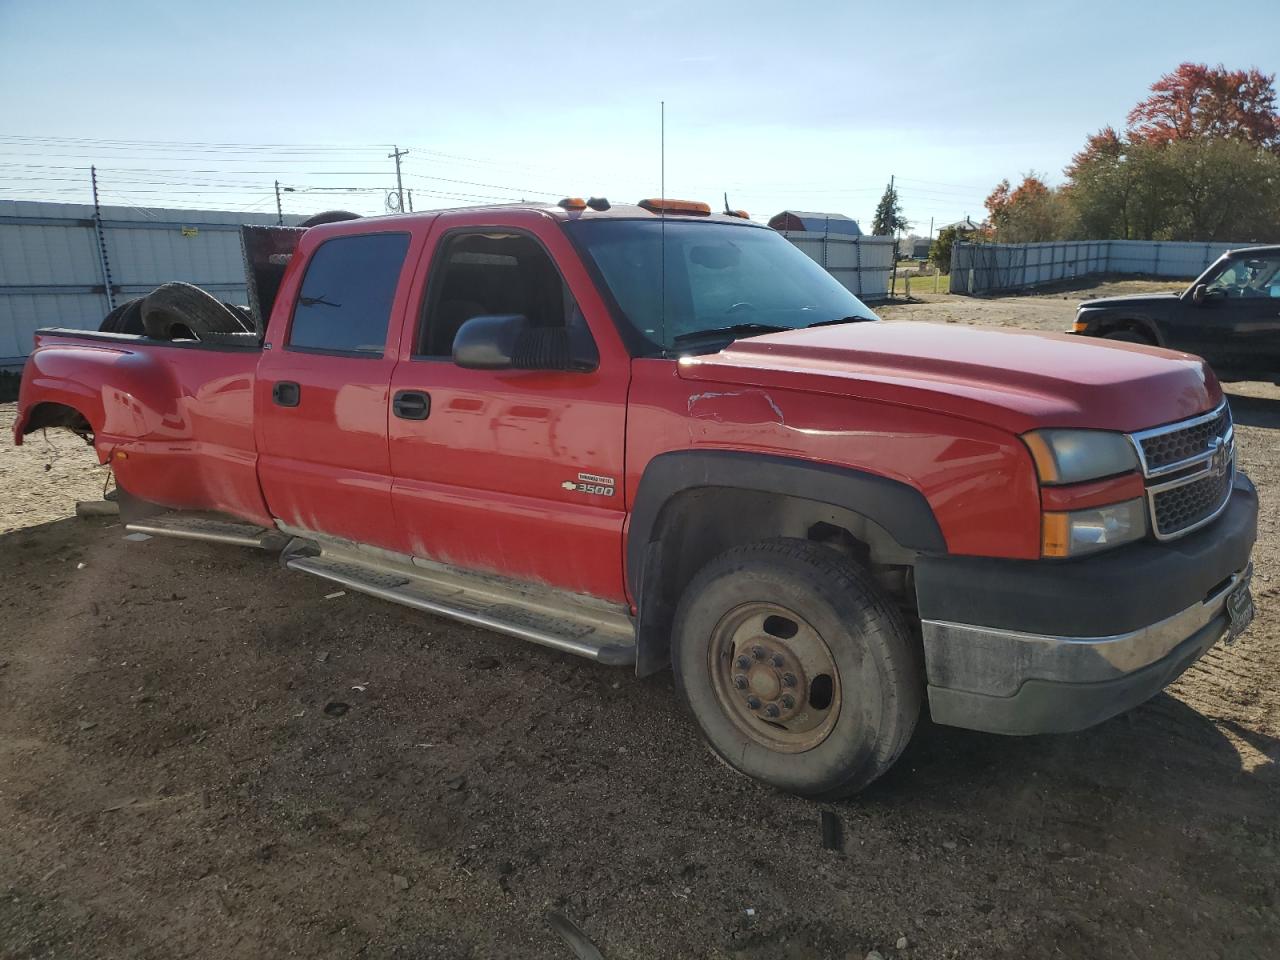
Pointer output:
x,y
174,418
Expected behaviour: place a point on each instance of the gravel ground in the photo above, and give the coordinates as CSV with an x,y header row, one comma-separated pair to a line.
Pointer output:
x,y
171,784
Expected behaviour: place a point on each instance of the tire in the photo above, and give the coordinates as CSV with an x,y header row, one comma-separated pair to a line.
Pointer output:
x,y
244,313
329,216
873,699
180,310
126,318
1128,336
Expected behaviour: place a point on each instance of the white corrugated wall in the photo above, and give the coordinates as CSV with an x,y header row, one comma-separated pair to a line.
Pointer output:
x,y
991,267
51,273
862,264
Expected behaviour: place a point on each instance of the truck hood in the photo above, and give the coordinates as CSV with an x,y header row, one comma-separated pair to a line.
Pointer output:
x,y
1130,300
1012,379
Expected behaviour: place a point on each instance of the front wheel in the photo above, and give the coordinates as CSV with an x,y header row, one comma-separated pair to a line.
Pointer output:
x,y
797,667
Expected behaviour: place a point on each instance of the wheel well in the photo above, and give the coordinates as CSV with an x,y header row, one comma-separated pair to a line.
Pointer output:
x,y
1137,325
49,414
698,525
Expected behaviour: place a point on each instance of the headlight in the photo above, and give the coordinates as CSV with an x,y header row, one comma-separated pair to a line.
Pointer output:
x,y
1071,456
1084,531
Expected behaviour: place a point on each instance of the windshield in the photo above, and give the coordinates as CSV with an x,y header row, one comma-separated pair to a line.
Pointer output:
x,y
1251,277
722,281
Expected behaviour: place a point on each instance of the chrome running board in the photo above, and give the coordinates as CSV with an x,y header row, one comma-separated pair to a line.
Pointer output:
x,y
212,529
580,625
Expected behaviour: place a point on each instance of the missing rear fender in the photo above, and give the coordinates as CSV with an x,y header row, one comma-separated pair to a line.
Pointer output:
x,y
46,415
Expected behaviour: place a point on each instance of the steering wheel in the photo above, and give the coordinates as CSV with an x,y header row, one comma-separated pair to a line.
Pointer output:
x,y
741,306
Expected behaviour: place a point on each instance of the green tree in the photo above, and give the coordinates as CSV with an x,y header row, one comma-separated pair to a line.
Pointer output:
x,y
940,249
888,219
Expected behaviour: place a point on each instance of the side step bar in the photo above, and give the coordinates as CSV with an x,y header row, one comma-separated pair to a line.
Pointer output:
x,y
581,626
212,529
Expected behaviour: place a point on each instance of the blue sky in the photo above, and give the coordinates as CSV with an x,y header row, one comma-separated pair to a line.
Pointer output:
x,y
785,105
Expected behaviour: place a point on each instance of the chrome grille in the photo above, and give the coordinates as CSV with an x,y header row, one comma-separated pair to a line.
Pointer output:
x,y
1190,469
1162,450
1181,507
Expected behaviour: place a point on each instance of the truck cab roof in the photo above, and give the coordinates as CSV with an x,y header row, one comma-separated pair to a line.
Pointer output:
x,y
616,211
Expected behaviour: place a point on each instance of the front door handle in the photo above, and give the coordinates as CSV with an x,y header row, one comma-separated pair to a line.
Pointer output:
x,y
411,405
286,393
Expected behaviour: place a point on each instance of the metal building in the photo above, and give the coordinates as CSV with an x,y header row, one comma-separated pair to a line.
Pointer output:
x,y
55,266
797,221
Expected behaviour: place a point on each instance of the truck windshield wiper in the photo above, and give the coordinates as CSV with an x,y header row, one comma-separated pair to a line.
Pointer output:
x,y
831,323
733,330
319,301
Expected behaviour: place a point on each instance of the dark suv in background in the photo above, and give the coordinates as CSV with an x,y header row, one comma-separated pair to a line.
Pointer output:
x,y
1230,315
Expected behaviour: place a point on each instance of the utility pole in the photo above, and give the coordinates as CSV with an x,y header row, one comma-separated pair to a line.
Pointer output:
x,y
410,193
893,282
103,260
399,184
279,209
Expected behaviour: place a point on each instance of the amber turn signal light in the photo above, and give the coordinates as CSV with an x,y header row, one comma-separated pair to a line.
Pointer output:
x,y
1055,540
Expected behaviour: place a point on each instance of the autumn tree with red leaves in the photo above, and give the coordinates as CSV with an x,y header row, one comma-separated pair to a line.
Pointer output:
x,y
1199,159
1199,102
1027,213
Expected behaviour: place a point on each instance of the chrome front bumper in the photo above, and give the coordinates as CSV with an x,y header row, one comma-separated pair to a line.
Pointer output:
x,y
1005,681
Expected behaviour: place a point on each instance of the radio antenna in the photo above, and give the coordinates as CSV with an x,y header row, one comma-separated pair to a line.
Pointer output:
x,y
662,216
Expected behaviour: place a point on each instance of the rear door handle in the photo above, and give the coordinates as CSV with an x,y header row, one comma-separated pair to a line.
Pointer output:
x,y
411,405
286,393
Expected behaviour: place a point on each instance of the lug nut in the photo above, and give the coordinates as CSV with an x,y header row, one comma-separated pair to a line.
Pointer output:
x,y
776,660
788,679
772,710
744,663
740,682
788,701
753,702
758,652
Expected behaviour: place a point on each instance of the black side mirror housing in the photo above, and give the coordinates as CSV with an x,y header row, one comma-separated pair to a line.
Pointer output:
x,y
1198,293
508,341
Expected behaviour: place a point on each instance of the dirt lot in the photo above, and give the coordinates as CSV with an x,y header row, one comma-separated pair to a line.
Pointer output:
x,y
171,785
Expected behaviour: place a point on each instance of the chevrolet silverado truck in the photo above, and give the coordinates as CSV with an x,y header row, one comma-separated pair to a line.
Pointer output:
x,y
1230,315
651,435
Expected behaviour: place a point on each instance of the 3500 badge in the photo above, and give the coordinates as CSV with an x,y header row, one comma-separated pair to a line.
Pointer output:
x,y
592,484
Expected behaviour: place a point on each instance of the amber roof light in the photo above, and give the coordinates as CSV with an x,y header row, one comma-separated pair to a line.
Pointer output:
x,y
656,205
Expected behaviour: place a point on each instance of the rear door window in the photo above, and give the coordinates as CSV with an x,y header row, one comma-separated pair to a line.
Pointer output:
x,y
344,305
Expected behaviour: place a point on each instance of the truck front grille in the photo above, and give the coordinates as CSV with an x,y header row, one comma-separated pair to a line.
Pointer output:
x,y
1190,470
1163,450
1181,508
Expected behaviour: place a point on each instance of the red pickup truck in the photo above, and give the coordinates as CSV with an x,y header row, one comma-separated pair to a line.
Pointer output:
x,y
651,435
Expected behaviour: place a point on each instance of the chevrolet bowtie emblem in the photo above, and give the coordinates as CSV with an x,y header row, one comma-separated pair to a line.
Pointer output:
x,y
1219,457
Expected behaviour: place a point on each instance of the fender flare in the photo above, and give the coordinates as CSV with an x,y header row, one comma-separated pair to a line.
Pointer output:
x,y
901,510
1143,322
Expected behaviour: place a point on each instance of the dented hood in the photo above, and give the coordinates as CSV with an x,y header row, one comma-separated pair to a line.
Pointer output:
x,y
1013,379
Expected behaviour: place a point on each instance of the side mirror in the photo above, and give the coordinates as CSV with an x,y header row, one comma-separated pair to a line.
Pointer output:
x,y
508,341
1201,294
490,342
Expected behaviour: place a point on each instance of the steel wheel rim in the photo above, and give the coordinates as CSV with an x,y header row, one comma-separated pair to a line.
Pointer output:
x,y
775,677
